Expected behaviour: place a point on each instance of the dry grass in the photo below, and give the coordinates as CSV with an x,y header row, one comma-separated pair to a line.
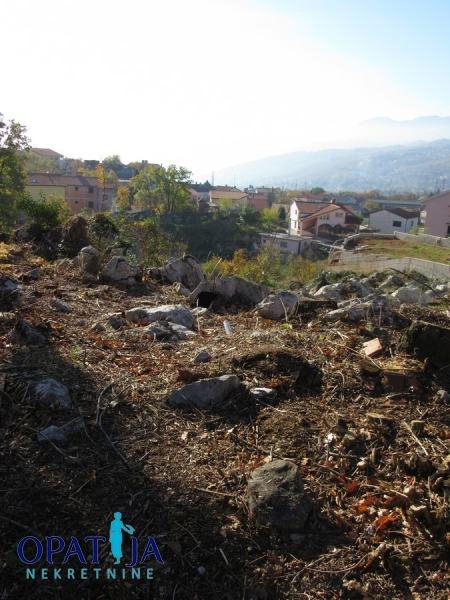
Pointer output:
x,y
401,249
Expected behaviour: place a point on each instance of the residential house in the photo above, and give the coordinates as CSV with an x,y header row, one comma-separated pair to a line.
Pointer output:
x,y
301,208
199,195
320,218
437,220
79,192
225,188
228,198
46,153
258,201
287,244
388,220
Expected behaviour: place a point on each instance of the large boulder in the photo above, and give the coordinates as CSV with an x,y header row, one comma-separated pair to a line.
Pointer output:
x,y
279,306
74,235
428,341
276,497
205,393
227,291
185,270
174,313
118,270
89,260
333,291
412,295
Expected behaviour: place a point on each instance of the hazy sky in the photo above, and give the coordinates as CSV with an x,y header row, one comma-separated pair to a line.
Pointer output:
x,y
210,83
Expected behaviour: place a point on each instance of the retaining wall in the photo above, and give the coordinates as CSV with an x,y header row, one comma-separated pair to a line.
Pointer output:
x,y
423,238
367,263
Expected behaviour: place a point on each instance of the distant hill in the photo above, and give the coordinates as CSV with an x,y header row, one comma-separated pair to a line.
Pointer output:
x,y
417,167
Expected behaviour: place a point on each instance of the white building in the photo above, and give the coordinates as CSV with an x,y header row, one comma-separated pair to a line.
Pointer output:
x,y
287,244
393,219
321,218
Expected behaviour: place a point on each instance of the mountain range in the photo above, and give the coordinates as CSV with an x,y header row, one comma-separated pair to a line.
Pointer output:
x,y
411,155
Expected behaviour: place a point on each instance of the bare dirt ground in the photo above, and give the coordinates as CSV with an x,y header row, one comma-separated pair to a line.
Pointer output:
x,y
380,523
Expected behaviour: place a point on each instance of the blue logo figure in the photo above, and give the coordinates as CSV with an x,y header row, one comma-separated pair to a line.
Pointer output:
x,y
115,536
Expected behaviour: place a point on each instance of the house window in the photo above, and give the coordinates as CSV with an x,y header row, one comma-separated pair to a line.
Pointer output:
x,y
90,204
448,229
76,188
396,223
283,244
91,190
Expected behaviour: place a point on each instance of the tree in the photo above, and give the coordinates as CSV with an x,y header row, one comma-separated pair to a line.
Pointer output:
x,y
371,205
282,214
317,190
123,200
13,141
269,218
164,189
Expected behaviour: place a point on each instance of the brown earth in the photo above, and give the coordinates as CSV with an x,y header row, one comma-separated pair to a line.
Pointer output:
x,y
380,523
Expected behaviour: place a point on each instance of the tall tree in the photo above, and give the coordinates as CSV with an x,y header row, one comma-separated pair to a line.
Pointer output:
x,y
13,141
164,189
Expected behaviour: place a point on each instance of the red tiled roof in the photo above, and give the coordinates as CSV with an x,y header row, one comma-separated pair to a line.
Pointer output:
x,y
308,208
64,180
327,209
46,152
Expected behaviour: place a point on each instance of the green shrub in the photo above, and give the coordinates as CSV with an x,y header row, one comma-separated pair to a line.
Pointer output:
x,y
47,211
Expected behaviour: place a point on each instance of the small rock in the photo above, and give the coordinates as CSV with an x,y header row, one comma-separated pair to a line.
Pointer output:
x,y
205,393
262,393
25,333
98,328
276,497
60,306
89,260
117,321
175,313
180,331
277,307
202,357
52,434
52,393
60,434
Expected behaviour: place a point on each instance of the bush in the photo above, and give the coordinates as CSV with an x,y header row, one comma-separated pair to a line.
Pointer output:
x,y
48,212
268,267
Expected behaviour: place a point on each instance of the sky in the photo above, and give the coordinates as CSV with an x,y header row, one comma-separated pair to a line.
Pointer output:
x,y
211,83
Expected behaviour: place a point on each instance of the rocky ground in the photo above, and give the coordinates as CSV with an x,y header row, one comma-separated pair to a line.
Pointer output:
x,y
303,467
